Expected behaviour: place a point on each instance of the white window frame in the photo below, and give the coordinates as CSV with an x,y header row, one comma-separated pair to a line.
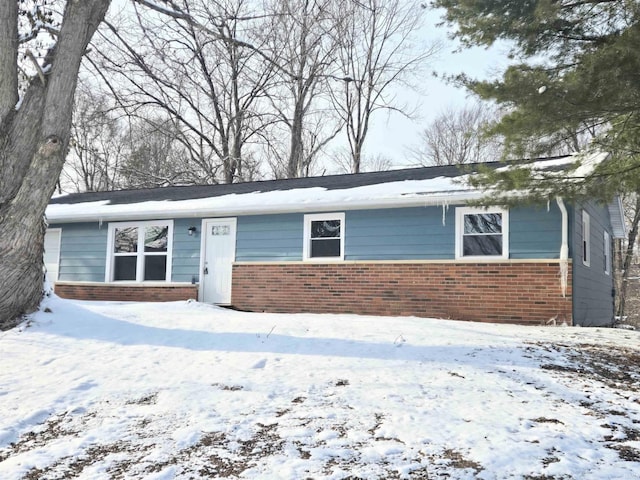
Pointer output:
x,y
140,254
586,239
461,212
306,249
607,253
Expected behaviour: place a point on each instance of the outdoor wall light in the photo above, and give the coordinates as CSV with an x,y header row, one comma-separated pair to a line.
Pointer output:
x,y
191,231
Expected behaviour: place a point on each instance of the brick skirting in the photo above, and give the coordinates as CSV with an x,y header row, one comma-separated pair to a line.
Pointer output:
x,y
509,292
126,293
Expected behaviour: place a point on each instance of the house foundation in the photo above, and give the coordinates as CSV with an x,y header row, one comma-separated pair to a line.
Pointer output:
x,y
126,292
522,292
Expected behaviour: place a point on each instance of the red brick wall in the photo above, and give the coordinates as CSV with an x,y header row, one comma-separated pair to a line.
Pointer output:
x,y
527,293
126,293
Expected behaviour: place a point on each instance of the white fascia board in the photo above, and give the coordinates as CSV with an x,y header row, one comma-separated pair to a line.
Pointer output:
x,y
102,211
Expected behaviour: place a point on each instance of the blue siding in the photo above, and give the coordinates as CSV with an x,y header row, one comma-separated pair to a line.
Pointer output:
x,y
270,237
416,233
535,232
400,234
592,288
186,250
83,249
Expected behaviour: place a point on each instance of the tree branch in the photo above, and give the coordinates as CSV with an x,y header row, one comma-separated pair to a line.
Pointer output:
x,y
177,13
29,54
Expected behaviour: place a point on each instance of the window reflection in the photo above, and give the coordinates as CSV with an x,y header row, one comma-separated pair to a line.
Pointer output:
x,y
482,234
483,223
156,238
126,240
325,229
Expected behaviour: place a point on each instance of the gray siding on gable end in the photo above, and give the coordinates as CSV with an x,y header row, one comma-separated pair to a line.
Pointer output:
x,y
83,250
186,250
270,238
592,288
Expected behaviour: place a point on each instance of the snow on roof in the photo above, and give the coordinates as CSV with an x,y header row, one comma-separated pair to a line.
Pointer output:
x,y
409,187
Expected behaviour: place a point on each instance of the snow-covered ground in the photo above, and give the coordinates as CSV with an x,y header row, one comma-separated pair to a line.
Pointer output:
x,y
185,390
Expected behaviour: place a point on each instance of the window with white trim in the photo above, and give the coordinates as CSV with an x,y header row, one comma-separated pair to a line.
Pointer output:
x,y
482,233
607,253
586,239
139,251
323,236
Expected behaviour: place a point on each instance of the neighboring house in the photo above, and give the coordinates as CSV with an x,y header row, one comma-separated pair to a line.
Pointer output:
x,y
400,242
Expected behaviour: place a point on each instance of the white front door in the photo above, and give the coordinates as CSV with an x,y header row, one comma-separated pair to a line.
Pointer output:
x,y
52,253
219,247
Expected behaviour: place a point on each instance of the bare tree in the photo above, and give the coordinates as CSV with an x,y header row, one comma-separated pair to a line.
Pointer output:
x,y
283,82
107,152
97,144
456,136
299,40
624,252
343,161
377,50
155,156
34,136
194,68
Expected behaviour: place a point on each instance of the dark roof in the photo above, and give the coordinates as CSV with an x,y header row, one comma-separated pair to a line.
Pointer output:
x,y
330,182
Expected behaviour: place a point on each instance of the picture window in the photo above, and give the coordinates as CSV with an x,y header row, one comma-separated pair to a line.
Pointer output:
x,y
140,252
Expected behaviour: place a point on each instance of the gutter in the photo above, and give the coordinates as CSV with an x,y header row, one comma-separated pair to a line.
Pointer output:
x,y
564,248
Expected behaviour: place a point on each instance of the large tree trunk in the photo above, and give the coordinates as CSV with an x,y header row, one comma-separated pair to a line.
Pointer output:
x,y
21,248
33,145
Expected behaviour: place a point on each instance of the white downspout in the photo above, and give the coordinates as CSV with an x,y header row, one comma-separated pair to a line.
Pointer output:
x,y
564,248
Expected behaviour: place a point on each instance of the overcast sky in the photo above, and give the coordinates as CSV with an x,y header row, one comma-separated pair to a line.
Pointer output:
x,y
392,135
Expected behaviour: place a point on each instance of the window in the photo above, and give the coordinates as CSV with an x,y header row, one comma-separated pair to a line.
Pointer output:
x,y
139,252
482,233
586,240
607,253
324,237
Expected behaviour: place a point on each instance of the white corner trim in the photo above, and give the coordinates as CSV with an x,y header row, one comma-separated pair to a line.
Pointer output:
x,y
585,251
